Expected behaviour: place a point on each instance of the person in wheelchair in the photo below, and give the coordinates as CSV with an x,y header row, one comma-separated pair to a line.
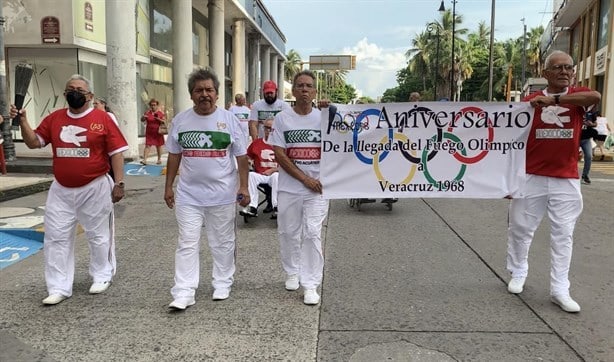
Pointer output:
x,y
265,172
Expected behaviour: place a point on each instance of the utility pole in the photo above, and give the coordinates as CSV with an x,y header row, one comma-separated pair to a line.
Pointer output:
x,y
9,146
490,51
524,53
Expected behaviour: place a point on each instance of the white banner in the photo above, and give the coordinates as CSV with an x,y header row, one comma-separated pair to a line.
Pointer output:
x,y
426,149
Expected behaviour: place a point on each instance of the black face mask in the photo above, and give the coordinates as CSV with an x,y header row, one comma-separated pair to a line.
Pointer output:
x,y
75,99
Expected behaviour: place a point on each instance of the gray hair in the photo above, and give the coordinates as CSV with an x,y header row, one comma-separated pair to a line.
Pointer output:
x,y
203,74
548,59
82,78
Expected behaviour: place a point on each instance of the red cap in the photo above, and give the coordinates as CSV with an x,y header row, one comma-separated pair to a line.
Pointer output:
x,y
269,86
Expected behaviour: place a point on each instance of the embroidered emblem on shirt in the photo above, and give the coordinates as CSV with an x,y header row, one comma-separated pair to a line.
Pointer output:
x,y
555,115
221,125
97,127
69,134
303,136
267,154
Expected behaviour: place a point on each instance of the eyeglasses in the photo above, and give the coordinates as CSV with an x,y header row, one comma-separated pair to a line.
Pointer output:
x,y
78,90
559,68
304,85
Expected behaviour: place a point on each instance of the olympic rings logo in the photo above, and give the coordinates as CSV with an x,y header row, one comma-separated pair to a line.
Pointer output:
x,y
447,138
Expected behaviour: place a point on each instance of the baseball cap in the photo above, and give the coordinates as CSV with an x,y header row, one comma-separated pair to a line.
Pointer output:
x,y
269,86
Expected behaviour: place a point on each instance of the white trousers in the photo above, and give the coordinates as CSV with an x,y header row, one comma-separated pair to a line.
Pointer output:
x,y
300,221
221,231
92,207
256,179
562,200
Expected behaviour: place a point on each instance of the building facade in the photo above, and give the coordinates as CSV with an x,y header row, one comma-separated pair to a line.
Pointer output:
x,y
585,30
134,50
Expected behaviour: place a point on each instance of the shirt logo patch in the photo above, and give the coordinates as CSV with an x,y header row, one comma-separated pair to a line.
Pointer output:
x,y
69,134
72,152
554,133
97,127
555,115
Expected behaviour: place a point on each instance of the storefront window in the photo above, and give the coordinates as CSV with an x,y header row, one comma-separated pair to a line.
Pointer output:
x,y
162,27
604,10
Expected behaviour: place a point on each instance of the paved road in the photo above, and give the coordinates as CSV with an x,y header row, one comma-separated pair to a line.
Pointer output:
x,y
423,282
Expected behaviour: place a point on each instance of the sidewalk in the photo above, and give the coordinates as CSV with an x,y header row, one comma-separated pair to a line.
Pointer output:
x,y
425,281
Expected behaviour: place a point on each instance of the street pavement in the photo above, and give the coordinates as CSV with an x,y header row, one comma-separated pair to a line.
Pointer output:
x,y
425,281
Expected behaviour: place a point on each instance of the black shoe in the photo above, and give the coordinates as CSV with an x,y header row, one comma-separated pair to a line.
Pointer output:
x,y
269,208
389,201
249,211
366,201
274,215
586,180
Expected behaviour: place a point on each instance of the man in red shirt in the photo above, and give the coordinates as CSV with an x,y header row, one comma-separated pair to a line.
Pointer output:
x,y
552,183
265,171
83,139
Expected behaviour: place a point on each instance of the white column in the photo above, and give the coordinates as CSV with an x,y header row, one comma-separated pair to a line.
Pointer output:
x,y
238,57
254,59
280,79
182,54
121,70
265,63
202,47
273,67
216,40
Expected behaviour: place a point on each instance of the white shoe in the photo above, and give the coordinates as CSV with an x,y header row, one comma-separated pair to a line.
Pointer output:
x,y
311,297
516,285
292,282
566,303
221,293
181,304
53,299
100,287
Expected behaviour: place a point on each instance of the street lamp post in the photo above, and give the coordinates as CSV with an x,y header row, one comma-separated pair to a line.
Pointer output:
x,y
429,28
442,8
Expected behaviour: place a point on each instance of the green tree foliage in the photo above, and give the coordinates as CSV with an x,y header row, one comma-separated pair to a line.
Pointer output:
x,y
471,68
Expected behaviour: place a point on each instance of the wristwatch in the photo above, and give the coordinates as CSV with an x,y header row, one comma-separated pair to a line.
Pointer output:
x,y
557,99
120,184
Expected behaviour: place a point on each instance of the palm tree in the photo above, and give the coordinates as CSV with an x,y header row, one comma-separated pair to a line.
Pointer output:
x,y
507,55
534,55
419,55
293,64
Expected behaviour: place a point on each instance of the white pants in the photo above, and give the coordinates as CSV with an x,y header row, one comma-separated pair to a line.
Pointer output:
x,y
299,221
562,199
256,179
90,206
220,221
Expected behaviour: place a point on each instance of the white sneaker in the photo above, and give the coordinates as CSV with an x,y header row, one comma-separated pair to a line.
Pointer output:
x,y
566,303
311,297
516,285
53,299
181,304
221,293
292,282
100,287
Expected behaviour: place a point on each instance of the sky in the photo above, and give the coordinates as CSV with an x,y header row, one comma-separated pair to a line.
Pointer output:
x,y
379,32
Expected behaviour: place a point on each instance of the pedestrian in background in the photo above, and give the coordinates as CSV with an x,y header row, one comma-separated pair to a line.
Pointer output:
x,y
264,109
153,118
101,104
603,131
552,183
296,140
242,112
586,144
82,138
207,189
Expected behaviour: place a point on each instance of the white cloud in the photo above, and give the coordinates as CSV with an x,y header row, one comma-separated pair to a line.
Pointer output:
x,y
376,67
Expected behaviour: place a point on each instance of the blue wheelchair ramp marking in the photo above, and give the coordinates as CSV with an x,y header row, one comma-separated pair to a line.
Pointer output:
x,y
18,244
135,169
